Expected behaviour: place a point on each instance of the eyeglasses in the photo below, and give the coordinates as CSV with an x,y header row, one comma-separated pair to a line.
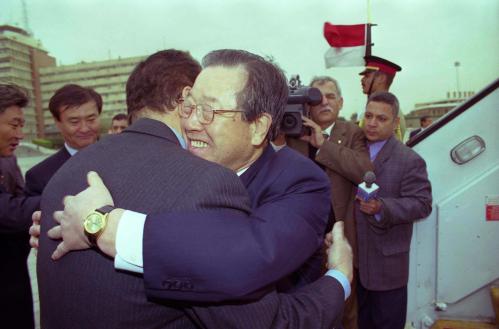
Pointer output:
x,y
204,112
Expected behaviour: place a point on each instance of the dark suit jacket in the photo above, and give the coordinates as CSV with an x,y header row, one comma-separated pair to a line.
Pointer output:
x,y
414,132
289,197
405,193
16,303
146,171
314,306
15,212
345,158
10,175
233,258
39,175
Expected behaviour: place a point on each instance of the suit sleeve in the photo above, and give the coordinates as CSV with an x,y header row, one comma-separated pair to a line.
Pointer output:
x,y
318,305
15,212
350,162
216,255
414,201
32,186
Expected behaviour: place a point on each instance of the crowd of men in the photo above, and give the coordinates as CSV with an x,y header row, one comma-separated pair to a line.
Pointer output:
x,y
201,214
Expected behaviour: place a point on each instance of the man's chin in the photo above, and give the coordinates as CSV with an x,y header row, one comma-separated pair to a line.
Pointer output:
x,y
201,152
6,152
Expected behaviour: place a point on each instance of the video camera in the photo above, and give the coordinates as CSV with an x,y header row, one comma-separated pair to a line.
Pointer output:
x,y
297,98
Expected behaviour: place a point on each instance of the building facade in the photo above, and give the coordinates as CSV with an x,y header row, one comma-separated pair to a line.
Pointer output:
x,y
436,109
21,57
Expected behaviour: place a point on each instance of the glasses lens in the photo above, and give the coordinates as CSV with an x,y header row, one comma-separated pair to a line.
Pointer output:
x,y
187,108
207,113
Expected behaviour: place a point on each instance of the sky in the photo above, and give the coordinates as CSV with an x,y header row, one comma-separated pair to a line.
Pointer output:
x,y
425,37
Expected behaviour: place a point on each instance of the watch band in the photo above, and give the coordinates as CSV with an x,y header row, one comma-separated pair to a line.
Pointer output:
x,y
105,210
92,238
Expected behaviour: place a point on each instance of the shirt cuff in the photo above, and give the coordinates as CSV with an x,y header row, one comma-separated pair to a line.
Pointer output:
x,y
129,237
342,279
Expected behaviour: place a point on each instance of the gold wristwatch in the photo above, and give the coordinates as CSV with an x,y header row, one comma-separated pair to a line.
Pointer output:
x,y
95,223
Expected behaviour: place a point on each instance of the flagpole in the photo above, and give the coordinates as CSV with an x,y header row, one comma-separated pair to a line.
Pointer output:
x,y
368,11
368,27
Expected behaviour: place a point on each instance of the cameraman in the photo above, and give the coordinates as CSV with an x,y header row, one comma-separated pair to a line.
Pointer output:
x,y
340,148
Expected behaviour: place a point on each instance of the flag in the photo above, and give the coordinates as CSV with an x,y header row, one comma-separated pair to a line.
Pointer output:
x,y
348,44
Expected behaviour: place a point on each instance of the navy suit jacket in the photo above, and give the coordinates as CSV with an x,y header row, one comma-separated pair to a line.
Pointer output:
x,y
237,257
274,181
16,211
16,303
39,175
414,132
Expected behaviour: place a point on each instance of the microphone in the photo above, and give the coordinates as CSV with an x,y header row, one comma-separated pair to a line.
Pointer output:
x,y
368,189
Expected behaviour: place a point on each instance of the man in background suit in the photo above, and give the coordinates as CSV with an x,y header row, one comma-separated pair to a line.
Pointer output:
x,y
76,112
16,302
11,177
118,123
340,148
384,223
213,114
424,122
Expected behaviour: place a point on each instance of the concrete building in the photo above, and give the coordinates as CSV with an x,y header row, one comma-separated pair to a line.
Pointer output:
x,y
21,57
108,78
436,109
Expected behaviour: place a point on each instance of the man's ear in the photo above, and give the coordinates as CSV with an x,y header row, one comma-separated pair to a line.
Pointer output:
x,y
340,101
186,91
178,102
259,129
397,122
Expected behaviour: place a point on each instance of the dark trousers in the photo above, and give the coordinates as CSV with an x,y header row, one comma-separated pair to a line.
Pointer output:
x,y
381,309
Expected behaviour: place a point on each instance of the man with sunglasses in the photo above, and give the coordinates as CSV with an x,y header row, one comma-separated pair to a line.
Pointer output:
x,y
217,255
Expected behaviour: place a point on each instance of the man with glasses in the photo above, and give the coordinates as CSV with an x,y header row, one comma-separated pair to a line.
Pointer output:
x,y
211,254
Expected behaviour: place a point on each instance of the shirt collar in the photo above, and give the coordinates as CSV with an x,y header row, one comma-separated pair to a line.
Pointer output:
x,y
375,147
242,171
71,151
329,130
180,138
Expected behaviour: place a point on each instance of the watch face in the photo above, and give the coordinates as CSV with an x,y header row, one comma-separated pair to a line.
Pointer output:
x,y
93,223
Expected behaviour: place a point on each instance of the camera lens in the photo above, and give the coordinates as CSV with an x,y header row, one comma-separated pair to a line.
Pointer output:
x,y
289,121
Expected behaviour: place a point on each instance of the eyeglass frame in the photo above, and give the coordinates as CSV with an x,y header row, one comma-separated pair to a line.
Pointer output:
x,y
202,108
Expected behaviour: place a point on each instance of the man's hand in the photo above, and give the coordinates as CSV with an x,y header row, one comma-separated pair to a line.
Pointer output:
x,y
34,230
76,208
340,256
316,138
370,207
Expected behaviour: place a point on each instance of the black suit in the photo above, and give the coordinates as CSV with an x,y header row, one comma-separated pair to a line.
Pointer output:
x,y
16,302
38,176
414,132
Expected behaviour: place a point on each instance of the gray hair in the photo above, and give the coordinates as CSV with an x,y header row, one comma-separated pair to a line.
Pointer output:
x,y
323,79
266,89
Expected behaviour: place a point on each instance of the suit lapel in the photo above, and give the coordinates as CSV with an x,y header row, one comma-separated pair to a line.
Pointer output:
x,y
338,134
384,154
154,128
64,154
